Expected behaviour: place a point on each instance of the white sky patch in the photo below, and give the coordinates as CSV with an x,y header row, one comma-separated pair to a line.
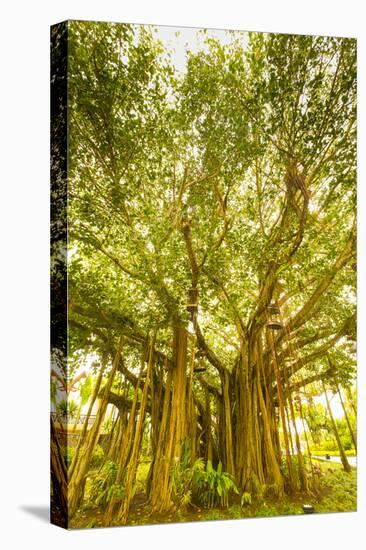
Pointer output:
x,y
335,404
178,39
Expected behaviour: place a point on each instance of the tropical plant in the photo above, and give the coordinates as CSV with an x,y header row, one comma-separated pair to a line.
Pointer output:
x,y
246,498
102,486
215,486
67,408
186,477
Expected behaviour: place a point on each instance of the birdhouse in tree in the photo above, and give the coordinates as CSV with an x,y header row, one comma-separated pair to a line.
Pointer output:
x,y
192,300
274,317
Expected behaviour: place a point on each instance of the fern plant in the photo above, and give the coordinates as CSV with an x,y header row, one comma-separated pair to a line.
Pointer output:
x,y
103,485
185,477
193,482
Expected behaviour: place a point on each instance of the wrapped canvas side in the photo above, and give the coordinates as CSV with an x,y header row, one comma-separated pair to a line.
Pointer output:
x,y
59,413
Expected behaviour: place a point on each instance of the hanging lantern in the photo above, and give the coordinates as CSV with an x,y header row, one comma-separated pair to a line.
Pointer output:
x,y
192,300
200,368
297,401
274,317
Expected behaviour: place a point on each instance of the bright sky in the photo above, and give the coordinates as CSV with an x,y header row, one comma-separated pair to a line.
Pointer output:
x,y
177,38
335,403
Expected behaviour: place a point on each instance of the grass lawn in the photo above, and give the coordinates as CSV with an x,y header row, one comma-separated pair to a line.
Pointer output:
x,y
337,493
332,453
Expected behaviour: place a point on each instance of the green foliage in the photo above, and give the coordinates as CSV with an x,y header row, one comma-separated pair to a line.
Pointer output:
x,y
246,498
322,452
141,475
107,425
208,486
102,485
322,432
318,422
231,125
269,509
85,390
250,150
215,486
186,477
295,467
213,515
97,457
340,489
236,511
330,445
344,433
68,455
67,408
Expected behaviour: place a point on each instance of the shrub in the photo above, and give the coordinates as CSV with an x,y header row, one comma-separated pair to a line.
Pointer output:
x,y
102,485
317,452
97,457
208,486
107,426
214,486
330,445
246,498
67,408
236,511
68,455
295,468
213,516
186,479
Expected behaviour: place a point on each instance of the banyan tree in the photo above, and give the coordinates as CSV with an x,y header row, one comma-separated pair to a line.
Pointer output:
x,y
211,252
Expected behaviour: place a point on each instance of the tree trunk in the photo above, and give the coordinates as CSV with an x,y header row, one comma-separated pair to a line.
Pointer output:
x,y
82,466
344,460
133,463
347,419
281,405
81,441
173,426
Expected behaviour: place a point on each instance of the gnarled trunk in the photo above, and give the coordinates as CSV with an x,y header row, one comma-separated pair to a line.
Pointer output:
x,y
173,427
